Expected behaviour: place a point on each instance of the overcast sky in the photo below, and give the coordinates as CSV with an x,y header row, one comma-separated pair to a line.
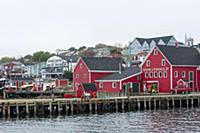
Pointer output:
x,y
27,26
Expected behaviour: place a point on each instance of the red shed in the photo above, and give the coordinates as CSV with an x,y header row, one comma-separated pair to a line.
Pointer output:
x,y
166,65
128,80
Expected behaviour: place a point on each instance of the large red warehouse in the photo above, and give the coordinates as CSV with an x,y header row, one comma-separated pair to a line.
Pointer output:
x,y
167,67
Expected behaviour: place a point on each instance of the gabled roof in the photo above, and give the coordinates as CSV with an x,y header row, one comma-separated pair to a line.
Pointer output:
x,y
165,39
180,55
127,72
72,58
89,86
103,63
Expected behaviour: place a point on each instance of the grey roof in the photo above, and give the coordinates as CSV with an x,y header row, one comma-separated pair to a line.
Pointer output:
x,y
165,39
103,63
72,58
129,71
181,55
89,87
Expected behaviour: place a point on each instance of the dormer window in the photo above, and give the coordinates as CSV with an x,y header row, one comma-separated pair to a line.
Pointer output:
x,y
148,63
163,62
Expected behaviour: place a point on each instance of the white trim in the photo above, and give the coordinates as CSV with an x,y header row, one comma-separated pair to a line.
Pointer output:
x,y
152,81
197,80
107,80
185,65
101,71
171,76
120,83
90,77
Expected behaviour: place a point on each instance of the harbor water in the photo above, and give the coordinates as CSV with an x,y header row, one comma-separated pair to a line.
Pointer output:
x,y
177,120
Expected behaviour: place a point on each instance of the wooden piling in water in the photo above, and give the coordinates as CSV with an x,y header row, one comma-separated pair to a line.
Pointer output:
x,y
116,105
27,108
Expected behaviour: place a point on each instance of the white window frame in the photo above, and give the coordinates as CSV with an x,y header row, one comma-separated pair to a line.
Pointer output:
x,y
165,74
81,65
139,77
101,85
183,74
77,76
160,74
150,74
155,74
146,74
176,74
155,52
114,84
148,63
163,62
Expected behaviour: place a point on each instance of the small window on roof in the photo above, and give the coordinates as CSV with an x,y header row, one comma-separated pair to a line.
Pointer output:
x,y
81,66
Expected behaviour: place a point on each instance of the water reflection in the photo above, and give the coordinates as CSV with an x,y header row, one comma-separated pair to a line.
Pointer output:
x,y
182,120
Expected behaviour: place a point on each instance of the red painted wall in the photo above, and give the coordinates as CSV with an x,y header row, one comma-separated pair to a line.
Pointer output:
x,y
134,80
198,79
186,78
107,87
80,71
156,66
98,75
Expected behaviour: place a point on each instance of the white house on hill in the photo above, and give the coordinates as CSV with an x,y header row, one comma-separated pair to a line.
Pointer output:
x,y
146,44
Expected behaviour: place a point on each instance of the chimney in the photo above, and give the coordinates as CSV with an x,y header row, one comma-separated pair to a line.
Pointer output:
x,y
120,68
177,44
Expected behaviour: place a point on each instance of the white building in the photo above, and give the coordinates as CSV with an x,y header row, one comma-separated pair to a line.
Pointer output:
x,y
146,44
55,66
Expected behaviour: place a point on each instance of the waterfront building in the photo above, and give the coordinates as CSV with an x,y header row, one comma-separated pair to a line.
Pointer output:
x,y
89,69
166,66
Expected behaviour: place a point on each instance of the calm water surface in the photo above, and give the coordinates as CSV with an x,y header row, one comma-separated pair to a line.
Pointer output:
x,y
181,120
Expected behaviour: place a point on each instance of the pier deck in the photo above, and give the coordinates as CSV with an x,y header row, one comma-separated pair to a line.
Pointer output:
x,y
15,107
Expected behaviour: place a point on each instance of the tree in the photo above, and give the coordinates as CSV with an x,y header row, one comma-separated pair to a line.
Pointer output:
x,y
115,51
68,75
7,59
41,56
100,45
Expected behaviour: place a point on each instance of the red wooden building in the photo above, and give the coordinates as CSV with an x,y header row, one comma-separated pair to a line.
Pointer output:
x,y
167,68
89,69
127,80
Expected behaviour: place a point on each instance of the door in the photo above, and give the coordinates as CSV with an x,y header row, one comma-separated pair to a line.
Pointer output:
x,y
191,80
135,87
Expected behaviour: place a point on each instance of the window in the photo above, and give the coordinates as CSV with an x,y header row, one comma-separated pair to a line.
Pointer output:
x,y
155,52
146,74
163,62
114,85
175,74
148,63
160,74
84,75
155,75
151,75
81,65
165,74
191,76
183,74
101,85
139,77
77,76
